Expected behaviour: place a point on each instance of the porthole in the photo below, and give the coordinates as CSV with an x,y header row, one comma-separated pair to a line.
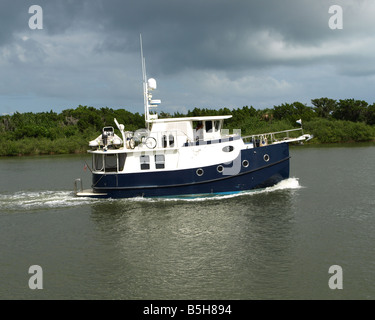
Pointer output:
x,y
199,172
245,163
266,157
150,142
228,149
220,169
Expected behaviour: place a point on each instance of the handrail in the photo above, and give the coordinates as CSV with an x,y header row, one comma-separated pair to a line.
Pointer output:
x,y
271,135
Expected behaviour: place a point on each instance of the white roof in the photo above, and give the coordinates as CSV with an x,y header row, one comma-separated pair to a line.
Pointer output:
x,y
206,118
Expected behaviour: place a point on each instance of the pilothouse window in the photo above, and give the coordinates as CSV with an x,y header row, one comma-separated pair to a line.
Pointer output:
x,y
97,162
145,162
121,161
171,140
208,126
164,141
198,130
159,161
111,162
217,125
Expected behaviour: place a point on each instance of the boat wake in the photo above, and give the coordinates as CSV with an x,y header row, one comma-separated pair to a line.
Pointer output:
x,y
39,200
46,200
287,184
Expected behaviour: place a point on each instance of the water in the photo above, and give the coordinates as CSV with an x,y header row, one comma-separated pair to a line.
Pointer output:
x,y
276,243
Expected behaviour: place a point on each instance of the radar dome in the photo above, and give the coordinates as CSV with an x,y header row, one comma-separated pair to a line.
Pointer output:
x,y
151,83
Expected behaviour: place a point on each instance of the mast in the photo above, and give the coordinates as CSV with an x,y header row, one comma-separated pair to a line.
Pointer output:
x,y
144,79
148,85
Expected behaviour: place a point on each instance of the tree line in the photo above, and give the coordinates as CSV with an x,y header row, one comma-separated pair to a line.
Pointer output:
x,y
69,131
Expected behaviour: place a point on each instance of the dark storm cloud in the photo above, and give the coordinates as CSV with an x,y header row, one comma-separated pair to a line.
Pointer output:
x,y
11,20
228,50
211,33
214,34
58,16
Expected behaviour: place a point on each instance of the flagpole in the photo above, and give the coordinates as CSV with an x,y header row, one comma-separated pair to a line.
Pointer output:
x,y
300,122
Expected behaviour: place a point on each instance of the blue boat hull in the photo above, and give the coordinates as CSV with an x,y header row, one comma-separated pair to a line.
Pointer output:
x,y
254,168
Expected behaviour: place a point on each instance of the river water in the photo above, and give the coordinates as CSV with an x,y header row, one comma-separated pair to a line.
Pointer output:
x,y
277,243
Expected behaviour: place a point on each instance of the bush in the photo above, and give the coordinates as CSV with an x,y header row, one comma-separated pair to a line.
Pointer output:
x,y
332,131
69,132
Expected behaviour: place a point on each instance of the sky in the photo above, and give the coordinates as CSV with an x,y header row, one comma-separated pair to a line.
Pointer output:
x,y
202,53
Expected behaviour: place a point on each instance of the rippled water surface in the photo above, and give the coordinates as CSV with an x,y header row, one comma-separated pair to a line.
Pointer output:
x,y
276,243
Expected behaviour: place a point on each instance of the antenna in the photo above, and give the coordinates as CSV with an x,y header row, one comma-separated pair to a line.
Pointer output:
x,y
148,85
144,78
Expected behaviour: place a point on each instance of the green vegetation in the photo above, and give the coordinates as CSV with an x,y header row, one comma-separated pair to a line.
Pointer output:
x,y
330,121
52,133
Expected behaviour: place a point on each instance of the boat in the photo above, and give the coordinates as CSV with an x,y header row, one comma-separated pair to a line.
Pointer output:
x,y
184,157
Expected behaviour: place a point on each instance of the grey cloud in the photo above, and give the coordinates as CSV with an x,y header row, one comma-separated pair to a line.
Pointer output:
x,y
179,35
88,44
214,34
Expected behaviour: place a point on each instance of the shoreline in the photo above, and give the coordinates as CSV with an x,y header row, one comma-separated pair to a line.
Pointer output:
x,y
309,144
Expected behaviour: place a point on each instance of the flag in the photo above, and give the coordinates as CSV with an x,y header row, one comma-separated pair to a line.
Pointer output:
x,y
85,167
299,121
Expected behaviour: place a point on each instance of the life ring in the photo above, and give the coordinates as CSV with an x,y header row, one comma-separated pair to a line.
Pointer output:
x,y
130,143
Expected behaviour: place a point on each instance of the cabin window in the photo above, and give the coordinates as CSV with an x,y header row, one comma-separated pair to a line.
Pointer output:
x,y
171,140
110,162
145,162
197,125
198,130
159,161
164,141
217,125
228,149
208,126
121,161
97,162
